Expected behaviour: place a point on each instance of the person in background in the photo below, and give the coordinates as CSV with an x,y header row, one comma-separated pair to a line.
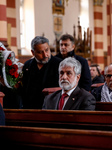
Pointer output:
x,y
71,97
89,61
104,92
67,46
96,76
38,73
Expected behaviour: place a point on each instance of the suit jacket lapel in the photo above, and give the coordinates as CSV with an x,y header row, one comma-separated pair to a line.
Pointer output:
x,y
72,99
56,100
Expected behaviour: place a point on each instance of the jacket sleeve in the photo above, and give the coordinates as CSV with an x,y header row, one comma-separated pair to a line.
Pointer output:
x,y
85,80
89,103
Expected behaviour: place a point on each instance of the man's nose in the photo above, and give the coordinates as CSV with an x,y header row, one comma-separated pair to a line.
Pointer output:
x,y
44,54
64,76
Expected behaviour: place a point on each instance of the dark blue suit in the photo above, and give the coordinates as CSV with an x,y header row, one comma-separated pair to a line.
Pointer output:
x,y
2,116
85,80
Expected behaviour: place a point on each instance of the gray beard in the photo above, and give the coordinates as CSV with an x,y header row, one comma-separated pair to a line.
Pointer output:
x,y
42,62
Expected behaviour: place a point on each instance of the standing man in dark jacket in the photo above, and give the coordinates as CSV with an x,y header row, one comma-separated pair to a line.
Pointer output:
x,y
38,73
67,46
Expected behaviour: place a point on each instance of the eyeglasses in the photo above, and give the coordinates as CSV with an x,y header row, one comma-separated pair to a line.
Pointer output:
x,y
109,75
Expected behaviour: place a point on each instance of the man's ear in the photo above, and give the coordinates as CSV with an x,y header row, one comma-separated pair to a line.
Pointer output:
x,y
73,46
32,52
78,77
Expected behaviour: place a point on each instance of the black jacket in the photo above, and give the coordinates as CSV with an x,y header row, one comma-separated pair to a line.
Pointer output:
x,y
85,80
35,80
12,98
97,93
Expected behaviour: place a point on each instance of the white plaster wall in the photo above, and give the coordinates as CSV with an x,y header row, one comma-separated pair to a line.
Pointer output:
x,y
71,16
29,23
44,18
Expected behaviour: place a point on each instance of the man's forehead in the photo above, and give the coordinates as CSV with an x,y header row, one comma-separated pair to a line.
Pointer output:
x,y
66,68
110,68
64,41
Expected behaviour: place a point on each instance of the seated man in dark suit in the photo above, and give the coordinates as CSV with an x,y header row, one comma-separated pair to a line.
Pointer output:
x,y
71,97
104,92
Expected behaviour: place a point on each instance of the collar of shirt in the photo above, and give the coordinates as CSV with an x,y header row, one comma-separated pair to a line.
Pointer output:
x,y
69,92
66,98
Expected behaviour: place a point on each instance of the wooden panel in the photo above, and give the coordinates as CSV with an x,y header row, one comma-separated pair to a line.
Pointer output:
x,y
45,138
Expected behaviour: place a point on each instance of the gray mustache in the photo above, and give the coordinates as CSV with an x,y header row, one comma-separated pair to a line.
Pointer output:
x,y
64,81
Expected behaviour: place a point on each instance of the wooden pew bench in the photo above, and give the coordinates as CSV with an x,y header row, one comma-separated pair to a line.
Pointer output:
x,y
97,120
32,138
104,106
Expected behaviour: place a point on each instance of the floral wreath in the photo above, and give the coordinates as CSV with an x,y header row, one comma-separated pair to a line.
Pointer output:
x,y
11,68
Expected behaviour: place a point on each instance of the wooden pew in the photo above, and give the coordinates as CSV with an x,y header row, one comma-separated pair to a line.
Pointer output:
x,y
98,120
96,85
48,91
33,138
104,106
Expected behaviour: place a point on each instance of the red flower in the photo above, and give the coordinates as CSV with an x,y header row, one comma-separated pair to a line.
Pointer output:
x,y
15,67
2,49
16,75
8,62
12,71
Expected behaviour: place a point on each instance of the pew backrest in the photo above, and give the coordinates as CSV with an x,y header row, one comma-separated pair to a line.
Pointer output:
x,y
104,106
61,119
47,138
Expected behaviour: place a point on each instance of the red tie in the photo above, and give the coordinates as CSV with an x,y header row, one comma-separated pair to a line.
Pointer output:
x,y
61,102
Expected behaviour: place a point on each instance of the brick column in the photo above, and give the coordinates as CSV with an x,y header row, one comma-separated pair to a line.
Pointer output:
x,y
3,22
109,32
11,25
98,33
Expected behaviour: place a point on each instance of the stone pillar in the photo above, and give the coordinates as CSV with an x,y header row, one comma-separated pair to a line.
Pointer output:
x,y
98,33
3,22
109,32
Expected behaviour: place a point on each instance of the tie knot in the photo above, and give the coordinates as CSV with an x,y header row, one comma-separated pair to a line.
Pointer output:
x,y
64,95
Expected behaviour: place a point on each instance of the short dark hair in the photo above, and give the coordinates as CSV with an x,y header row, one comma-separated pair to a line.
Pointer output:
x,y
96,65
66,37
38,40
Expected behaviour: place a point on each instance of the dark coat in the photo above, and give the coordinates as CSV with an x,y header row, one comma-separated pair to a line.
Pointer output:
x,y
12,98
97,93
80,99
2,116
35,80
85,80
98,79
